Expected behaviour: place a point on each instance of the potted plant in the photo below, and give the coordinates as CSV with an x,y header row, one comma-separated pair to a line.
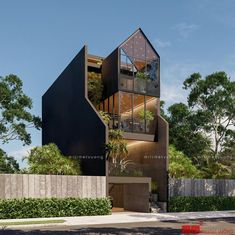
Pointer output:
x,y
141,80
142,75
146,115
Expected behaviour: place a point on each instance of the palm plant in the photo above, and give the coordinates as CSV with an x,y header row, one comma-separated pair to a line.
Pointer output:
x,y
117,151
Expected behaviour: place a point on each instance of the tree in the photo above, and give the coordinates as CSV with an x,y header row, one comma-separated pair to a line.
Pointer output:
x,y
8,164
15,117
162,111
180,166
204,129
213,100
227,157
48,159
214,168
185,134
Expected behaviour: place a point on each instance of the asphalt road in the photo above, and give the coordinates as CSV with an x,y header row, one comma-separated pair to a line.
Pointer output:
x,y
219,226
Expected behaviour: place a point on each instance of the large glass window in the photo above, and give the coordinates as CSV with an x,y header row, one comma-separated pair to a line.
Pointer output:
x,y
150,114
106,105
126,65
138,113
132,112
139,70
126,111
127,71
116,110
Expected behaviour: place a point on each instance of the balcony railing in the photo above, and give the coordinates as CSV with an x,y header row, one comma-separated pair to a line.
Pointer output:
x,y
138,85
134,125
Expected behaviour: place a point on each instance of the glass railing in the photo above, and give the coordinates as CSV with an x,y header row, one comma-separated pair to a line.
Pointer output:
x,y
136,125
139,85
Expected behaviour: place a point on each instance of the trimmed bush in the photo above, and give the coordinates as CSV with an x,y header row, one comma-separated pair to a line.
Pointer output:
x,y
210,203
53,207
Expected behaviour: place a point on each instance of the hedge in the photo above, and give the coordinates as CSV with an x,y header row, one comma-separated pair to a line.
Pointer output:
x,y
53,207
209,203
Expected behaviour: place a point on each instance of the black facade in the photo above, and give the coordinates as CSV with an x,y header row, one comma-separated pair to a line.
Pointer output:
x,y
71,122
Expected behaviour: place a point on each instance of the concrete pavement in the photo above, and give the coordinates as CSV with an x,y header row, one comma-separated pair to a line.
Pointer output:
x,y
127,217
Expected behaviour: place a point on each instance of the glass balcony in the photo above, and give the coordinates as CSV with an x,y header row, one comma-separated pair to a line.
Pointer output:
x,y
131,112
140,76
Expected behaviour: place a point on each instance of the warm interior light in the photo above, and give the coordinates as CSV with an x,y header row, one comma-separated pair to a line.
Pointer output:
x,y
139,107
134,143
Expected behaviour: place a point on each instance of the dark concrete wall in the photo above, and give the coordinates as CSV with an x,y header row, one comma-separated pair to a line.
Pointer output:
x,y
71,122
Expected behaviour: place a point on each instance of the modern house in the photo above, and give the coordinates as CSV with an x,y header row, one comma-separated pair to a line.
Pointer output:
x,y
131,96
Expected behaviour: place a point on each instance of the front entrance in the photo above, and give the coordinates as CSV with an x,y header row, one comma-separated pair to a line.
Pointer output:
x,y
117,195
130,193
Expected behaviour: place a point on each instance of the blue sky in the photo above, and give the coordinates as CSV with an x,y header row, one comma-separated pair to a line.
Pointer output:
x,y
39,38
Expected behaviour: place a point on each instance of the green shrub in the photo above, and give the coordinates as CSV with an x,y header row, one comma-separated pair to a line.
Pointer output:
x,y
47,159
210,203
53,207
180,166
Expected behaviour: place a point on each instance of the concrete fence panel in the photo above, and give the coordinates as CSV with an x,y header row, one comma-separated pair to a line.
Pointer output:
x,y
201,187
47,186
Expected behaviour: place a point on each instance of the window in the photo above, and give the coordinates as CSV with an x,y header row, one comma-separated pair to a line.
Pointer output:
x,y
132,112
138,111
126,111
150,115
138,66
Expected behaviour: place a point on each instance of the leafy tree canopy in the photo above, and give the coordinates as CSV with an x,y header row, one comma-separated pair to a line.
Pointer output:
x,y
180,166
15,117
8,164
184,133
213,101
48,159
204,129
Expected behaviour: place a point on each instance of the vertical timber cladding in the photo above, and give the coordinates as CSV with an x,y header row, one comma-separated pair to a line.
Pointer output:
x,y
70,121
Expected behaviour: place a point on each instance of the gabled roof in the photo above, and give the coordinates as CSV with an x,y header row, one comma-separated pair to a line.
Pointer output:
x,y
137,45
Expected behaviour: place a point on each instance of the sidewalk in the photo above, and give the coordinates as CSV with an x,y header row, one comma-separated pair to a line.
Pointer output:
x,y
125,217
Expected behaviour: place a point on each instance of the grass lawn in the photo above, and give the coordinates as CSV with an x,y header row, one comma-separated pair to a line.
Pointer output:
x,y
31,222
